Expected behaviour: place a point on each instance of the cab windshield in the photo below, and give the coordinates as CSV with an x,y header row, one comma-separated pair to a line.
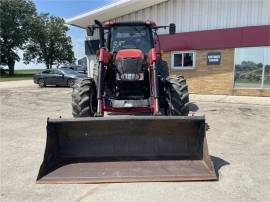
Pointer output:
x,y
128,37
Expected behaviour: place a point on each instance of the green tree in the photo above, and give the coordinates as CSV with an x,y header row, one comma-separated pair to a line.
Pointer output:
x,y
49,43
15,18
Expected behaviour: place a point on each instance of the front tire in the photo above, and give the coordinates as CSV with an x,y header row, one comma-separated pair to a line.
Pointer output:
x,y
177,96
84,98
41,83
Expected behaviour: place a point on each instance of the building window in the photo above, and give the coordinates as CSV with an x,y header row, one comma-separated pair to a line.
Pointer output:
x,y
252,67
266,80
183,60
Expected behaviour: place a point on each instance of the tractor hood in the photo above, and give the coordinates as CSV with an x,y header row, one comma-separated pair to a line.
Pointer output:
x,y
129,53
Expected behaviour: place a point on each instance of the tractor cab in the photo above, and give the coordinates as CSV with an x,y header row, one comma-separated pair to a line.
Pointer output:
x,y
129,44
130,36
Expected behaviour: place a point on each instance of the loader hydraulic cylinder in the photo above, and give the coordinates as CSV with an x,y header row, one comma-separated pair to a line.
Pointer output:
x,y
99,90
155,89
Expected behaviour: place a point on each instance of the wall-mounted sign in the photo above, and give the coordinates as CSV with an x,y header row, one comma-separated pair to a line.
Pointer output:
x,y
213,58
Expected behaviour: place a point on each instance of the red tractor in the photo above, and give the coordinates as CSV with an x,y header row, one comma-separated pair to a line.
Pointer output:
x,y
160,143
132,77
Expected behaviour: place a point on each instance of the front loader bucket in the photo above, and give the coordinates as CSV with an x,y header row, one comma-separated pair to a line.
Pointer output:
x,y
126,149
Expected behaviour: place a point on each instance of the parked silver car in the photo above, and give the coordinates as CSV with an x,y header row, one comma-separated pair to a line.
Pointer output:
x,y
58,77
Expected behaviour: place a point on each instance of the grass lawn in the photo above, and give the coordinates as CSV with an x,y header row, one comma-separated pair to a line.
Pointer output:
x,y
24,74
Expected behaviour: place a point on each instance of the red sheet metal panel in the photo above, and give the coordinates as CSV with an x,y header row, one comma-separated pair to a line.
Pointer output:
x,y
214,39
259,36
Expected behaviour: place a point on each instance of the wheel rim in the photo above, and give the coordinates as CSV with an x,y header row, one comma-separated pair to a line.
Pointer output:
x,y
70,83
41,82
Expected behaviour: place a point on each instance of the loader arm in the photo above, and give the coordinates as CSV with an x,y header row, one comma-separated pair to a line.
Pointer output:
x,y
152,58
104,60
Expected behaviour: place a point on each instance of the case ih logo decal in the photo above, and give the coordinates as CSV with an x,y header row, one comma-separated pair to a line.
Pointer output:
x,y
213,58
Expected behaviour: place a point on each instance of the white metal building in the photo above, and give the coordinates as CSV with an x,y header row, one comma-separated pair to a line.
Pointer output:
x,y
235,29
188,15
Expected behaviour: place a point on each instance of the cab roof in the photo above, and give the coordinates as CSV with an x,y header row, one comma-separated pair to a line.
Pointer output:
x,y
132,23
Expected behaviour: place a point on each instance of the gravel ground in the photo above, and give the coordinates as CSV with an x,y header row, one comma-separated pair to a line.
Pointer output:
x,y
238,140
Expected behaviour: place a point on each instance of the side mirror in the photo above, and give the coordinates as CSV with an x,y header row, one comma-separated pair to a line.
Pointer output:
x,y
172,28
101,33
90,31
91,47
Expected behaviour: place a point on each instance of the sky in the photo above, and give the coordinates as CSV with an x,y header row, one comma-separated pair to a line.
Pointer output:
x,y
66,9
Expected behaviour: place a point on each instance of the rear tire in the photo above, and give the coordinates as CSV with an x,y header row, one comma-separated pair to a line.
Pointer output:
x,y
70,83
162,68
95,72
84,98
177,96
